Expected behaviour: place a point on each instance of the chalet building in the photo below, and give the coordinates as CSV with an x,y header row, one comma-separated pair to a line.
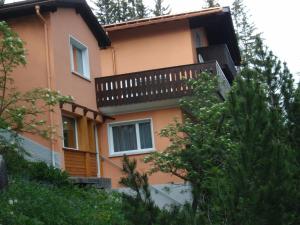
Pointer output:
x,y
126,79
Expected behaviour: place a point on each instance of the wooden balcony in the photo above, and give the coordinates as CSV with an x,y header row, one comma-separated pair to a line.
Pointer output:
x,y
222,55
153,85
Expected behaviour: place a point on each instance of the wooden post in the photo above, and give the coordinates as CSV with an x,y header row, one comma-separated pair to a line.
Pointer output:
x,y
83,136
87,164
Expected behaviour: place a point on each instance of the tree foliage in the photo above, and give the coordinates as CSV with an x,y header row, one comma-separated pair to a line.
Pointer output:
x,y
246,31
199,147
139,208
211,3
160,9
262,172
105,11
116,11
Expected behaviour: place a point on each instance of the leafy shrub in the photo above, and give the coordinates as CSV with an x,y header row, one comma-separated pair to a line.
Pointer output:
x,y
14,156
17,165
29,202
40,171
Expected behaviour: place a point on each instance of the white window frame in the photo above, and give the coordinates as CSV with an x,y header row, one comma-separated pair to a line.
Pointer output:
x,y
137,151
76,132
85,57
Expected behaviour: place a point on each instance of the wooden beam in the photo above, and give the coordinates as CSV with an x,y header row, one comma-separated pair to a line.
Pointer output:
x,y
86,110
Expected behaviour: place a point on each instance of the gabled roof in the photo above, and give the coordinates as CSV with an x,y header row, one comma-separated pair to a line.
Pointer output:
x,y
24,8
217,22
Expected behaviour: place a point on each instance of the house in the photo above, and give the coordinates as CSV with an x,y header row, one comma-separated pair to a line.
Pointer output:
x,y
126,79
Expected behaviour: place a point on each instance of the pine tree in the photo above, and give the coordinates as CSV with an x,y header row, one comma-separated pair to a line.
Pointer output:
x,y
211,3
105,11
116,11
139,208
160,9
245,30
141,10
262,170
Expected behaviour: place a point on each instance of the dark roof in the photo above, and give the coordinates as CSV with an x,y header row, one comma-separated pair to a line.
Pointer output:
x,y
24,8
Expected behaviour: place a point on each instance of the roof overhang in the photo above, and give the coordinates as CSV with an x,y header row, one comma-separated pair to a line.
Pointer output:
x,y
219,29
25,8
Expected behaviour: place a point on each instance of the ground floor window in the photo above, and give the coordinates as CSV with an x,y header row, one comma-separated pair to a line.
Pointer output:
x,y
130,137
70,132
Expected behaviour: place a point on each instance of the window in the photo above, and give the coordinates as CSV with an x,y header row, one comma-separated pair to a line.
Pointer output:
x,y
130,137
70,132
197,36
79,58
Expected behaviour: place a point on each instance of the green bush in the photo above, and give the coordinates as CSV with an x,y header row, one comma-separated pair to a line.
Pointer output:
x,y
14,157
29,202
40,171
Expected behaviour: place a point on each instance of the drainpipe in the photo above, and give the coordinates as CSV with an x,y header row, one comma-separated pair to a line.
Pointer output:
x,y
97,150
49,75
113,57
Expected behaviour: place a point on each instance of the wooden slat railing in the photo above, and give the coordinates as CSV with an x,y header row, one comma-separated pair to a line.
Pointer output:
x,y
151,85
80,163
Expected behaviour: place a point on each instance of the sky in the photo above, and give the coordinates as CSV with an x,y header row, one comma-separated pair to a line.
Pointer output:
x,y
278,21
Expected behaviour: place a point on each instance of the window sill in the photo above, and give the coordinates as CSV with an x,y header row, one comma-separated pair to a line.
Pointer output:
x,y
81,76
71,149
134,152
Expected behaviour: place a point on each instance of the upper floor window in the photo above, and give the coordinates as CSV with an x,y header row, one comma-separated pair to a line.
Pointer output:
x,y
132,137
70,132
79,58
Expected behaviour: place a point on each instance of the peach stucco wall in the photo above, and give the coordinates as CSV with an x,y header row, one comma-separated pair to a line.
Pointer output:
x,y
33,75
66,23
149,47
160,119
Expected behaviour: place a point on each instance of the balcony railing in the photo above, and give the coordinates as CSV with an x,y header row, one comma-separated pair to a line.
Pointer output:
x,y
222,55
153,85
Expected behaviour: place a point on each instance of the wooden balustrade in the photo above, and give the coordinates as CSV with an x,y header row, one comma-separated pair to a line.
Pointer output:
x,y
151,85
80,163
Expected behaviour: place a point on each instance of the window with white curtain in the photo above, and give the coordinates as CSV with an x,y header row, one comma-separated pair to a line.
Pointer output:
x,y
133,137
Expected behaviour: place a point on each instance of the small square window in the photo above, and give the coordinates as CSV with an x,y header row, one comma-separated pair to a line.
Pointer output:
x,y
79,58
130,137
70,132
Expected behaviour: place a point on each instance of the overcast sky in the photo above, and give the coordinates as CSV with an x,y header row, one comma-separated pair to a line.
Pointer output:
x,y
278,20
